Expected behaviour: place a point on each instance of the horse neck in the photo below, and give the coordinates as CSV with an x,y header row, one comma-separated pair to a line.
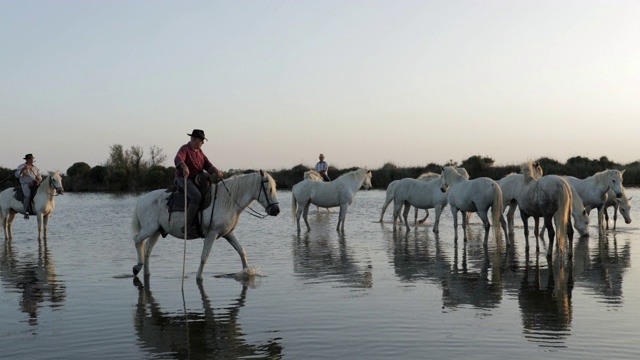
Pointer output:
x,y
242,190
357,182
46,188
601,181
454,177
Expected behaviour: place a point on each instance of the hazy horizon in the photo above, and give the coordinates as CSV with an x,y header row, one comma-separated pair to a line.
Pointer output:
x,y
273,84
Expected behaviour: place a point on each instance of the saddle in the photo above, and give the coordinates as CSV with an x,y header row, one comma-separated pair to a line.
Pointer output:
x,y
19,196
175,201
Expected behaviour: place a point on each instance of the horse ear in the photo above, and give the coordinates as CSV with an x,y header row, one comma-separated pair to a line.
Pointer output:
x,y
622,172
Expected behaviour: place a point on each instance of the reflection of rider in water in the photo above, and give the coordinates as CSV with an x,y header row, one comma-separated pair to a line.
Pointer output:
x,y
29,176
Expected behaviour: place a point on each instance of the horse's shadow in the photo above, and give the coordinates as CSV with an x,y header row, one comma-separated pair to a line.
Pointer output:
x,y
196,334
316,255
33,276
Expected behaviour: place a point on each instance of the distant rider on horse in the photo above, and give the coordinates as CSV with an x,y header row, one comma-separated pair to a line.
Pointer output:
x,y
30,178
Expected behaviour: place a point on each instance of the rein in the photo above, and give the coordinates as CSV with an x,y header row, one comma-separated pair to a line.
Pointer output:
x,y
251,211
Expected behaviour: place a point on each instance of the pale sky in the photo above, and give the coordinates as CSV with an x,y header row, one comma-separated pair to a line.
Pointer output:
x,y
274,83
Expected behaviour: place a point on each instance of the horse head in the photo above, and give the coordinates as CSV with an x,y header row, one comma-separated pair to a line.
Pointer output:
x,y
55,181
616,181
367,180
444,178
268,187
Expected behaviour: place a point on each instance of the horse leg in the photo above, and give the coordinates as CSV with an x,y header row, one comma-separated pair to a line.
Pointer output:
x,y
615,217
11,216
525,222
45,225
570,235
397,205
548,223
206,249
4,219
425,216
503,224
454,215
437,221
601,230
298,215
384,207
39,217
305,215
606,218
510,215
405,214
465,223
231,238
536,225
485,223
139,242
342,216
151,242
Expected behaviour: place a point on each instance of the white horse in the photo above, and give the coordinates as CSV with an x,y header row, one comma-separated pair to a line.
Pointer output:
x,y
477,195
511,186
420,194
43,205
339,192
621,204
578,213
593,191
152,218
550,198
423,177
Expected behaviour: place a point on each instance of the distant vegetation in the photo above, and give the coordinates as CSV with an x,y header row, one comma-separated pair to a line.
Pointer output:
x,y
129,170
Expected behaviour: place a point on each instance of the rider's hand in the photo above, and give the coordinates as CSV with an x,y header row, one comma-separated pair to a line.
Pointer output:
x,y
185,170
219,173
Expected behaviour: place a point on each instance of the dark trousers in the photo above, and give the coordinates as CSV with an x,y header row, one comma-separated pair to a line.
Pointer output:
x,y
192,191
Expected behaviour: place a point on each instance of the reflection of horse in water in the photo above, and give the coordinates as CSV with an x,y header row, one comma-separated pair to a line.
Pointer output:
x,y
320,257
33,276
418,259
604,269
196,334
545,301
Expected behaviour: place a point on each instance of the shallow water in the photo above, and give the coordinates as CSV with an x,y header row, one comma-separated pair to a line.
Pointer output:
x,y
370,293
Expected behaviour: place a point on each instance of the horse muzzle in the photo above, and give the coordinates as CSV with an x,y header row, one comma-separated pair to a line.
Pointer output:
x,y
273,210
443,189
60,191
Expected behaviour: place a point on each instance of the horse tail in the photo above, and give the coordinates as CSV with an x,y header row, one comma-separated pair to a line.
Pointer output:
x,y
561,216
496,210
135,223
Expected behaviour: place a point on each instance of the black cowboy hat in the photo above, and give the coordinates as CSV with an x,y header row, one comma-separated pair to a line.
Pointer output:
x,y
28,156
198,133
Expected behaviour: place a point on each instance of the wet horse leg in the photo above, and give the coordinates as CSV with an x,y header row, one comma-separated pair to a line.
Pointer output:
x,y
548,223
231,238
485,223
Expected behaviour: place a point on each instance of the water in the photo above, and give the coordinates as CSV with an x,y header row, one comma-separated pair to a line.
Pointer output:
x,y
370,293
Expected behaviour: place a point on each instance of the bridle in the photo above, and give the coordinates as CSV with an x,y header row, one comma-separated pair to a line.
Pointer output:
x,y
52,186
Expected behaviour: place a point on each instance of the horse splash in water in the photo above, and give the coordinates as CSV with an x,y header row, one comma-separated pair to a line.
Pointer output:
x,y
339,192
550,198
151,217
593,191
43,205
477,195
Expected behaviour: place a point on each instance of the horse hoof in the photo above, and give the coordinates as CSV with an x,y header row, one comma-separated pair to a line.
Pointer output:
x,y
136,270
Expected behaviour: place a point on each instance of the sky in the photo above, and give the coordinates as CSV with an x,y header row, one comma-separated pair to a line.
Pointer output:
x,y
275,83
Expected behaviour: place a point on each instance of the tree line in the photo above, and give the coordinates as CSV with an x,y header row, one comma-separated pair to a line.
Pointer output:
x,y
129,170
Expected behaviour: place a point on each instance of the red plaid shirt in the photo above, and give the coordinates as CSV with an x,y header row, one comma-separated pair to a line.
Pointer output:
x,y
195,160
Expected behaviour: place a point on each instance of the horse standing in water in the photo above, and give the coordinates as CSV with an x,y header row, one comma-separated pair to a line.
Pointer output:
x,y
314,176
477,195
511,186
548,197
152,218
339,192
43,205
593,191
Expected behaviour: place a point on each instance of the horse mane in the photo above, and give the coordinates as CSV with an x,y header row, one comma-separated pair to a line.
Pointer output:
x,y
604,176
312,175
428,176
352,173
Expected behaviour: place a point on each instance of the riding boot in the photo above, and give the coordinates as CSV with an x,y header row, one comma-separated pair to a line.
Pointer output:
x,y
193,232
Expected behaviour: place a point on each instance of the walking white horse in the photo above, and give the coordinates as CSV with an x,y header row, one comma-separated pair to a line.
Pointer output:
x,y
43,205
477,195
151,217
621,204
593,191
511,186
550,198
339,192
